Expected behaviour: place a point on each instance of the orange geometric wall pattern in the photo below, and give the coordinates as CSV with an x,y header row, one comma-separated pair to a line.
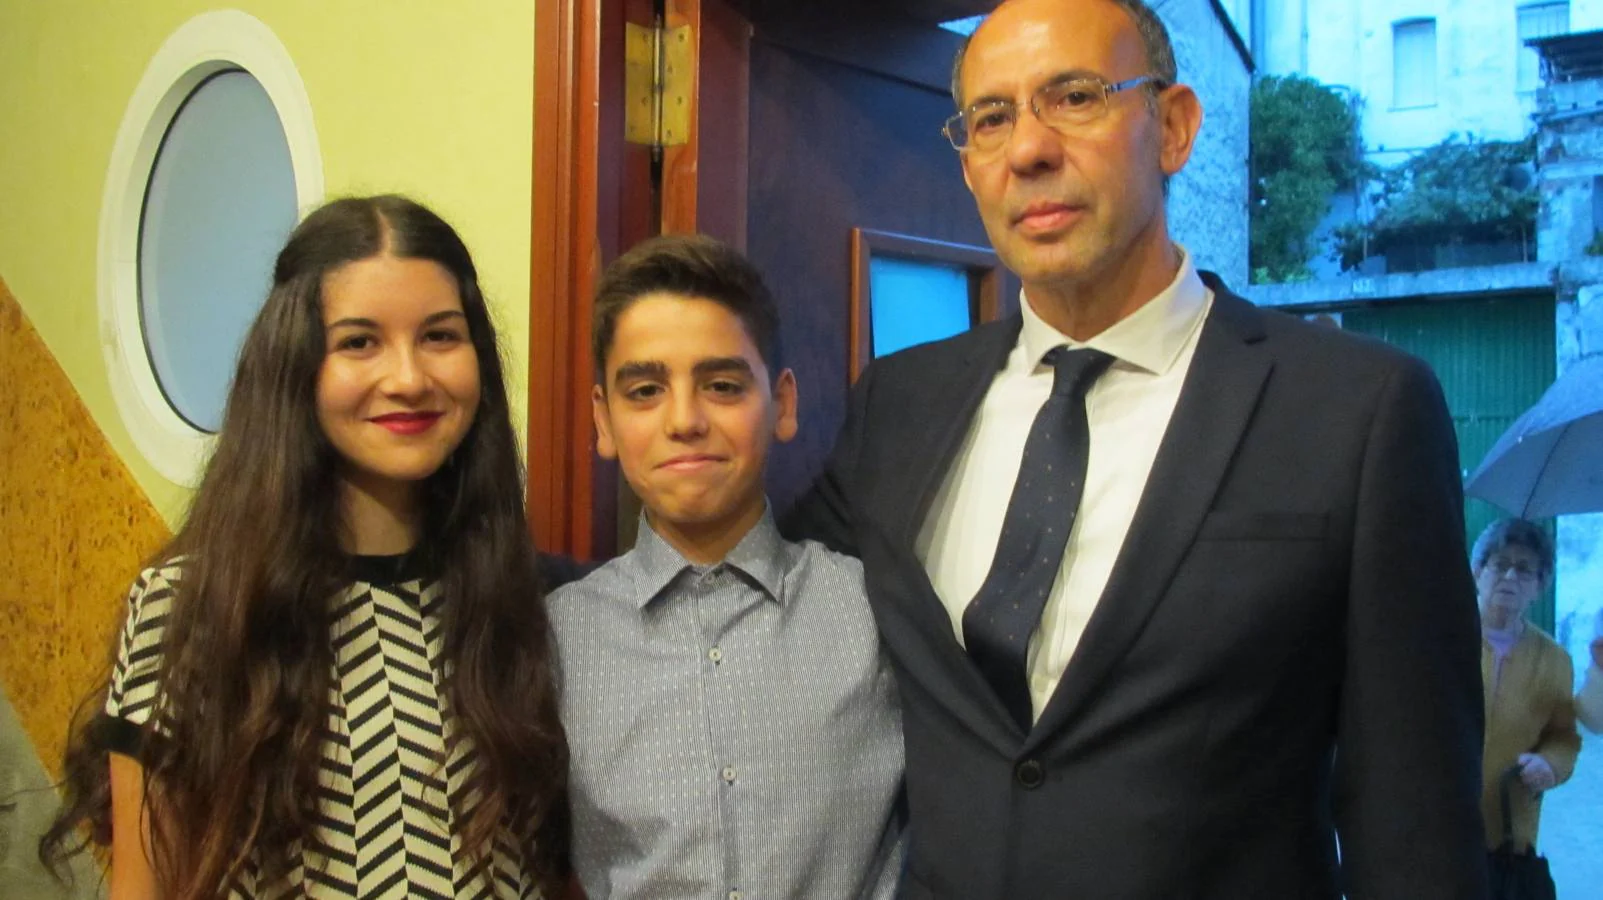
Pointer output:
x,y
74,530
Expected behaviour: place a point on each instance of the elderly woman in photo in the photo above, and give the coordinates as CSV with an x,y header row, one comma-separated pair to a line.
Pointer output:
x,y
1530,714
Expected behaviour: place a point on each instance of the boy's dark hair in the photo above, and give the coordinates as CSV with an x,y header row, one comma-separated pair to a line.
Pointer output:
x,y
689,265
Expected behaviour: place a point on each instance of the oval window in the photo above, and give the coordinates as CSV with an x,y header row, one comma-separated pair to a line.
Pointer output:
x,y
215,158
220,201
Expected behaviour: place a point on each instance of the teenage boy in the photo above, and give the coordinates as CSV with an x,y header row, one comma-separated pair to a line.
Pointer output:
x,y
734,730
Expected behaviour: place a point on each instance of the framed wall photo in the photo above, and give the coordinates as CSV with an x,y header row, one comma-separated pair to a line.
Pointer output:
x,y
909,290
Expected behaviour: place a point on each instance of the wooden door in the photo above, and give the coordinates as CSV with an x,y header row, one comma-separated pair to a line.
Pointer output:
x,y
808,120
846,111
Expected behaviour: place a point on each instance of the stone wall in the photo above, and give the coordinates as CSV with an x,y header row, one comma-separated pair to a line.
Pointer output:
x,y
1208,199
1569,167
1570,175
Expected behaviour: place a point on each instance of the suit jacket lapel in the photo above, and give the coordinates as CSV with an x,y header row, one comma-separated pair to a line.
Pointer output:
x,y
936,418
945,409
918,635
1227,375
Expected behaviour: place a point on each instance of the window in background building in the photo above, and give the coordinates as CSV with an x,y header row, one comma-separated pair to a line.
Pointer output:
x,y
1257,38
1538,20
221,199
1414,63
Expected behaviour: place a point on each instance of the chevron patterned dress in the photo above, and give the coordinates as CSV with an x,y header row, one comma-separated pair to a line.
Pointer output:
x,y
389,788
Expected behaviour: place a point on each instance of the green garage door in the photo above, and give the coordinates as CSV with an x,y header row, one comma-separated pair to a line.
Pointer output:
x,y
1494,359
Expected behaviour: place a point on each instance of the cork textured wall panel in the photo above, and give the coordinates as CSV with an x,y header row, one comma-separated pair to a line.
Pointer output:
x,y
74,530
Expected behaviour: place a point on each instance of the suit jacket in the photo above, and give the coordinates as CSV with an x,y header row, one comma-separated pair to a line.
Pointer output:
x,y
1286,650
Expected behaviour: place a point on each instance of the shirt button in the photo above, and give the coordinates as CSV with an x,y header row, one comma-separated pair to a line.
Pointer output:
x,y
716,655
729,774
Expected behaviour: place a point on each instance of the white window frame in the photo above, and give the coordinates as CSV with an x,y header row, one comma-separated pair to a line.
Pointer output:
x,y
1406,92
203,46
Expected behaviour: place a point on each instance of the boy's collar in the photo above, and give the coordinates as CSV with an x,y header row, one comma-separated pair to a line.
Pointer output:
x,y
654,564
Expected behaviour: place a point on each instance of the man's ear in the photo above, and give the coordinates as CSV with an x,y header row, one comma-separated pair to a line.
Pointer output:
x,y
785,422
1180,117
598,410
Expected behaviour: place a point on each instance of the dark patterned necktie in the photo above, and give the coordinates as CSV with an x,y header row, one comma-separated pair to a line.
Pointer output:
x,y
1004,613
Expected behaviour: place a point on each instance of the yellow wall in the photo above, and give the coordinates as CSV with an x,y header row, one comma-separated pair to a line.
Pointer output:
x,y
427,98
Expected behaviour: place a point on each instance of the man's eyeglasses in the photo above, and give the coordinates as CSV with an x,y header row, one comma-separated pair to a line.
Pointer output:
x,y
1061,105
1521,571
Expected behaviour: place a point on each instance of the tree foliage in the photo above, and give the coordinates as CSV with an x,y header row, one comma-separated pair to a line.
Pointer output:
x,y
1304,146
1462,190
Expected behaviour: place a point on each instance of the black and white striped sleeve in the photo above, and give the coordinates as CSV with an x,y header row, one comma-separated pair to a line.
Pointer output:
x,y
132,695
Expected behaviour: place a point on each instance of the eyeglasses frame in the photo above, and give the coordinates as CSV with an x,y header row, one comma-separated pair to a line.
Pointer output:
x,y
1502,571
950,127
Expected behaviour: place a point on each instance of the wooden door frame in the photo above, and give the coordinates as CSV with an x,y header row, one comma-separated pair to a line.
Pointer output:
x,y
564,260
586,205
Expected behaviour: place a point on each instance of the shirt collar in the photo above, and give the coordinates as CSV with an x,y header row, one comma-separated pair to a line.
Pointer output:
x,y
1151,338
654,565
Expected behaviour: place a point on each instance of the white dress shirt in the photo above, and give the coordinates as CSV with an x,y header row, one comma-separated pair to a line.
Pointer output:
x,y
1128,410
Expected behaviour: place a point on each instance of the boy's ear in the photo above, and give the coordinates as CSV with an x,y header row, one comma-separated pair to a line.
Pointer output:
x,y
785,406
598,409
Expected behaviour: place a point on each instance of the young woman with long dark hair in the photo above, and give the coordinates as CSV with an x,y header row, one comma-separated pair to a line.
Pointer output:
x,y
334,682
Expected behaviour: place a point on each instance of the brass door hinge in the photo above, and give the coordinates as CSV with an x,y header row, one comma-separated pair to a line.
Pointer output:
x,y
659,75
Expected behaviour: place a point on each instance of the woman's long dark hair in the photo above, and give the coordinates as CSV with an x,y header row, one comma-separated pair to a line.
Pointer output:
x,y
247,655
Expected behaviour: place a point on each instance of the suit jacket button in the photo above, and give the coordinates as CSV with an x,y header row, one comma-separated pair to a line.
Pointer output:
x,y
1030,774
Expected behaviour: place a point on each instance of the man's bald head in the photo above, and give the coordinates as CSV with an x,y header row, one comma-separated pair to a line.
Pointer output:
x,y
1154,39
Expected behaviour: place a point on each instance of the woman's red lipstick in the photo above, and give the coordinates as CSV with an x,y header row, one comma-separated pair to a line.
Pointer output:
x,y
407,422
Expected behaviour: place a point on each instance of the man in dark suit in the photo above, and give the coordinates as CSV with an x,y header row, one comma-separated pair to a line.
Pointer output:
x,y
1177,607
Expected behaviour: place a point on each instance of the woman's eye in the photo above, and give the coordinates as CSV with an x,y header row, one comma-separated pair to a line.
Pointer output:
x,y
444,336
355,342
